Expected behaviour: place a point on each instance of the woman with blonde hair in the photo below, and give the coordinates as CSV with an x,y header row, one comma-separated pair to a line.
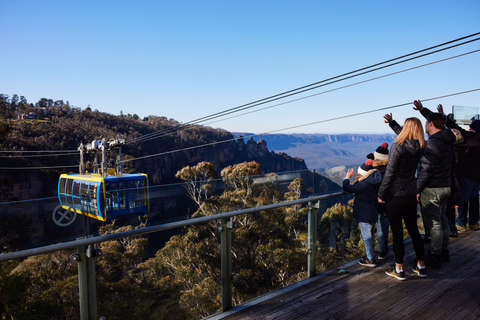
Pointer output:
x,y
399,190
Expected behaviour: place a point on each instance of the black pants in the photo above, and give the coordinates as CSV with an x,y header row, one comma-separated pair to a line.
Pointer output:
x,y
404,208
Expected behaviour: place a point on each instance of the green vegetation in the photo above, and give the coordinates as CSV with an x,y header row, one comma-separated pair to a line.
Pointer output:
x,y
180,280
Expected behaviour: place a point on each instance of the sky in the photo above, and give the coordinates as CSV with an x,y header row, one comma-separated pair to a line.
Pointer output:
x,y
185,60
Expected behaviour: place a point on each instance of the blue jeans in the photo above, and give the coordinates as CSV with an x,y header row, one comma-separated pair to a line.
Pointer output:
x,y
469,190
434,208
382,231
366,234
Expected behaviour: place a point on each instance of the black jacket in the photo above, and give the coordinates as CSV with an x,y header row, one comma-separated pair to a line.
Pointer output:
x,y
436,162
468,151
399,178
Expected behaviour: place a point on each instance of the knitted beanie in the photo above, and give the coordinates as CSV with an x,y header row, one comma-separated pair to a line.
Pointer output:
x,y
364,168
382,152
475,126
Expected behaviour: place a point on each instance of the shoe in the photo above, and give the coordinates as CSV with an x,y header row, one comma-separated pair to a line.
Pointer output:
x,y
382,256
453,234
461,228
393,273
422,273
367,263
474,227
445,256
433,260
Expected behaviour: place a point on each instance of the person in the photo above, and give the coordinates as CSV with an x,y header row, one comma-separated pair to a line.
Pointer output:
x,y
468,175
434,184
380,161
455,197
398,190
364,210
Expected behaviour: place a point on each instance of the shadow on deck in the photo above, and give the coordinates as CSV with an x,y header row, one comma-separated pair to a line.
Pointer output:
x,y
451,292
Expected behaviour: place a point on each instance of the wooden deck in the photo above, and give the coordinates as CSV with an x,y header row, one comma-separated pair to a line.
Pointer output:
x,y
451,292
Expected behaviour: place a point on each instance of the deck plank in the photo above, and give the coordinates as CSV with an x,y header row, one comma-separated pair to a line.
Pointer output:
x,y
451,292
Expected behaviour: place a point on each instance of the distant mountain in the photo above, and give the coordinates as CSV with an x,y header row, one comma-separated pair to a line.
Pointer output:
x,y
324,150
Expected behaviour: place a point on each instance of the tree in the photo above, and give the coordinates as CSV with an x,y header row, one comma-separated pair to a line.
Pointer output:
x,y
240,176
295,187
197,180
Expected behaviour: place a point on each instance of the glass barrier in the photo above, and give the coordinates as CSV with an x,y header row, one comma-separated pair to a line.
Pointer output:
x,y
177,273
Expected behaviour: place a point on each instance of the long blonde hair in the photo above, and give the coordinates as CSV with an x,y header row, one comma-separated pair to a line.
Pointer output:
x,y
412,130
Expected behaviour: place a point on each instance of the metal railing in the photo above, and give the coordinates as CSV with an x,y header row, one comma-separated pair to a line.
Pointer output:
x,y
86,253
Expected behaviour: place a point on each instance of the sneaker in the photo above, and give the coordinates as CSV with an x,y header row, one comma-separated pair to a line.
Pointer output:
x,y
422,273
393,273
474,227
367,263
382,256
461,228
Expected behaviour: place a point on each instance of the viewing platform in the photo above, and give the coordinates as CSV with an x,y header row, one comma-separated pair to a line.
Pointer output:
x,y
451,292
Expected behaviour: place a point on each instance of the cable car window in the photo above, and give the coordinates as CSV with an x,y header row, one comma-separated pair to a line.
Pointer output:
x,y
68,190
131,194
114,196
61,190
121,195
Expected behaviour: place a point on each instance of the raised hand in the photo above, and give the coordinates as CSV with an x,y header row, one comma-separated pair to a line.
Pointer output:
x,y
388,118
440,108
418,105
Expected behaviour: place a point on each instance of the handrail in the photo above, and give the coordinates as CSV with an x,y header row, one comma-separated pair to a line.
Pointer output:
x,y
157,228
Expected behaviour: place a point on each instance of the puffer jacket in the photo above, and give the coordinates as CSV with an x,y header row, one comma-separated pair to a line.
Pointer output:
x,y
399,179
381,166
365,190
468,151
436,162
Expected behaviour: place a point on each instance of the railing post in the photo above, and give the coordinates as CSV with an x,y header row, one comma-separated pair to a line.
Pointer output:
x,y
85,257
226,263
312,241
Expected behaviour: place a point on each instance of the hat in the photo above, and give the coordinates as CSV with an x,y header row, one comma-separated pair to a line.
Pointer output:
x,y
364,168
475,126
382,152
370,156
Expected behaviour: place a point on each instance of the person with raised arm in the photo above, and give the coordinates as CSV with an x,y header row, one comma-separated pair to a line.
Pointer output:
x,y
398,190
364,205
434,184
468,170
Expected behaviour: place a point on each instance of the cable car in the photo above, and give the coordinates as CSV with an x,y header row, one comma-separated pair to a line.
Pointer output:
x,y
105,198
106,194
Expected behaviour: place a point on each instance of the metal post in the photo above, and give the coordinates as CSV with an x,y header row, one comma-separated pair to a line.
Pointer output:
x,y
312,239
81,167
104,158
119,164
92,283
226,263
85,258
83,282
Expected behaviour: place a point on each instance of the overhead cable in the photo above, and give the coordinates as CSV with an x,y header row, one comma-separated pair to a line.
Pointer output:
x,y
303,89
299,126
32,168
346,86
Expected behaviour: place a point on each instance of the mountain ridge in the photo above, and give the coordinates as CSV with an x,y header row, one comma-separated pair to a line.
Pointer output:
x,y
322,150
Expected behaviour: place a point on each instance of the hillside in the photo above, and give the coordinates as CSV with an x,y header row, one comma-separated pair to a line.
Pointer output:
x,y
324,150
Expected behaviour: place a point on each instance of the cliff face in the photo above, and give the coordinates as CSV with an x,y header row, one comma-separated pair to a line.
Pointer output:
x,y
162,169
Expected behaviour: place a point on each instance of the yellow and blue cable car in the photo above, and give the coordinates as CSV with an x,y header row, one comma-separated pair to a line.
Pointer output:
x,y
105,197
